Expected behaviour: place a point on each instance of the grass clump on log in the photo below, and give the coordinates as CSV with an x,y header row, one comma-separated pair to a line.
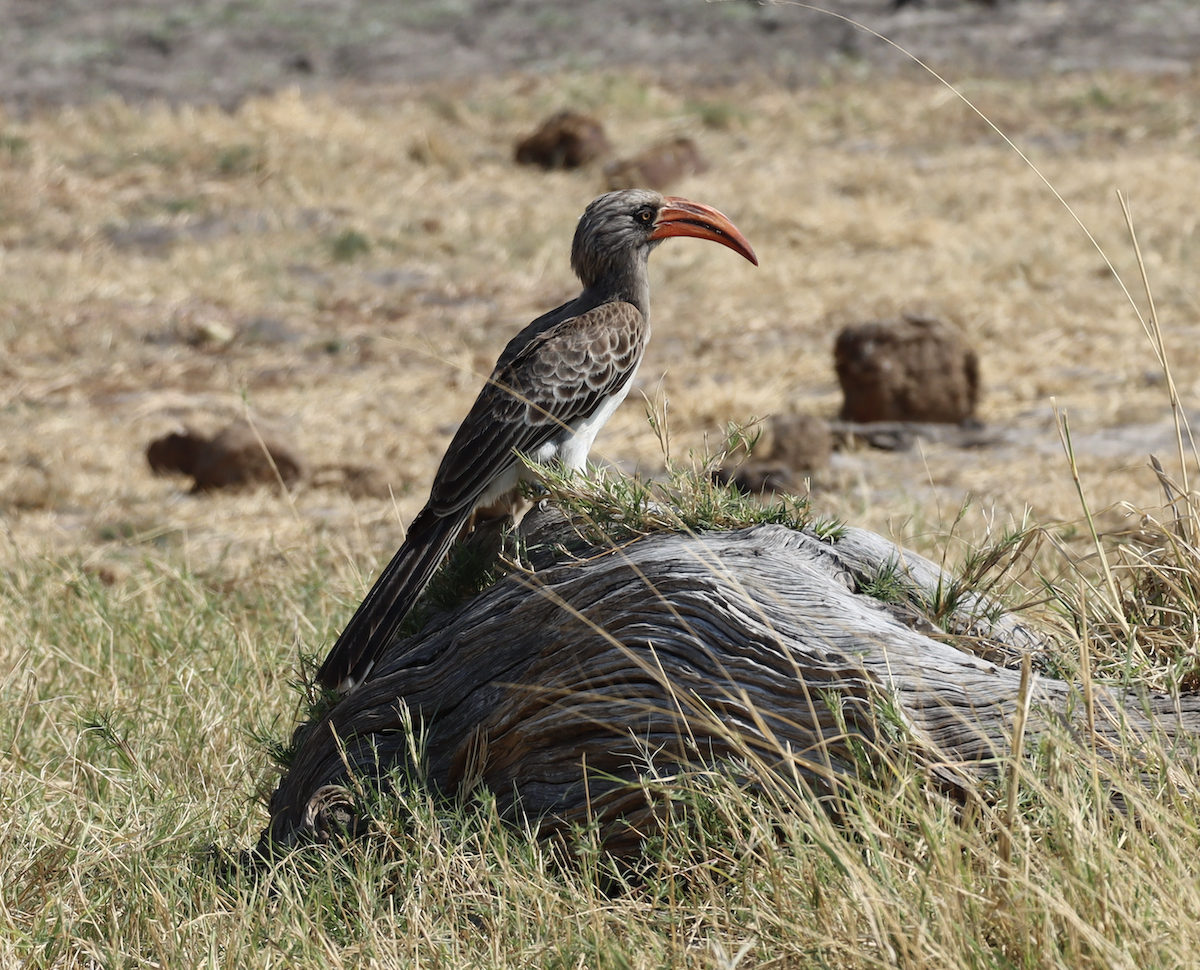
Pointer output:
x,y
611,507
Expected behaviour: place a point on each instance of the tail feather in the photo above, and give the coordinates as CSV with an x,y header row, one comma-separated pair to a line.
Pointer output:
x,y
380,614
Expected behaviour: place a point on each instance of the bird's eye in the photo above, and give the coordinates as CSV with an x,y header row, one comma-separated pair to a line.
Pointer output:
x,y
646,216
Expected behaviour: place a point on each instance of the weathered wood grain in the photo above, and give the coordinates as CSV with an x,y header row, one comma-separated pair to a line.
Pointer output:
x,y
670,645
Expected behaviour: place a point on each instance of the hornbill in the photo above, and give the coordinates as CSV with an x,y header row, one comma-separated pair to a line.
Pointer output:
x,y
554,386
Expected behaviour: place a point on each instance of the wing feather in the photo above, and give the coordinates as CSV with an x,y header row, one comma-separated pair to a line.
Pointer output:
x,y
559,377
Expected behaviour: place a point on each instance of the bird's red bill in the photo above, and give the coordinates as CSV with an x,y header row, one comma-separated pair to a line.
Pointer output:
x,y
682,217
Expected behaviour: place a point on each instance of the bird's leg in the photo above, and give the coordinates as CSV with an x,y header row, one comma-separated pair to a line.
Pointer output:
x,y
493,528
511,506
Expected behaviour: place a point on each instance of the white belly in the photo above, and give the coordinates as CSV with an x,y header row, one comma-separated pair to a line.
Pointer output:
x,y
573,449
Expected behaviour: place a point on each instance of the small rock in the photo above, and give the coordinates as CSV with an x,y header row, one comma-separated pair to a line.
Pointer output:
x,y
564,140
199,323
790,444
234,458
803,442
912,369
212,333
176,453
658,167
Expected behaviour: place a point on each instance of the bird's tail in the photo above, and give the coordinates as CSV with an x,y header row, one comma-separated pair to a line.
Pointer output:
x,y
380,614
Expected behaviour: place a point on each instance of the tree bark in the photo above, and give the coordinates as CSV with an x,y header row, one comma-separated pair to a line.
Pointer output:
x,y
689,650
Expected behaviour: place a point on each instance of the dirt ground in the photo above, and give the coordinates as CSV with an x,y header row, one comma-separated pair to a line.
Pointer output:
x,y
221,51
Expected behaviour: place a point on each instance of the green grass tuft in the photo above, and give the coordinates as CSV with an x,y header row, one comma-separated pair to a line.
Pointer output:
x,y
889,584
349,244
613,507
238,160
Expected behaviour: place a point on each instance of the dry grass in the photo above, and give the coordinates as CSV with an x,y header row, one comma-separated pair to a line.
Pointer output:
x,y
145,633
861,201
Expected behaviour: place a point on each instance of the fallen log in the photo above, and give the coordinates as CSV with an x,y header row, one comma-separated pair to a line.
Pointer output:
x,y
556,686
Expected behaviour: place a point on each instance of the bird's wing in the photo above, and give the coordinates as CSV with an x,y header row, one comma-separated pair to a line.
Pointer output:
x,y
560,376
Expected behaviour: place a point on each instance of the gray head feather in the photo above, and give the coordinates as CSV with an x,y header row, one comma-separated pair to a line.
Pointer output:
x,y
612,240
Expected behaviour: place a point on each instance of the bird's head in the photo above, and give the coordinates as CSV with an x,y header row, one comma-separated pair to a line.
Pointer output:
x,y
619,229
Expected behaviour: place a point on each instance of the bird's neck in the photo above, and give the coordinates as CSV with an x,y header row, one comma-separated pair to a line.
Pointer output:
x,y
628,282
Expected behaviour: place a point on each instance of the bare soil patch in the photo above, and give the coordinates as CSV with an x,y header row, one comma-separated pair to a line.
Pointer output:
x,y
223,51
